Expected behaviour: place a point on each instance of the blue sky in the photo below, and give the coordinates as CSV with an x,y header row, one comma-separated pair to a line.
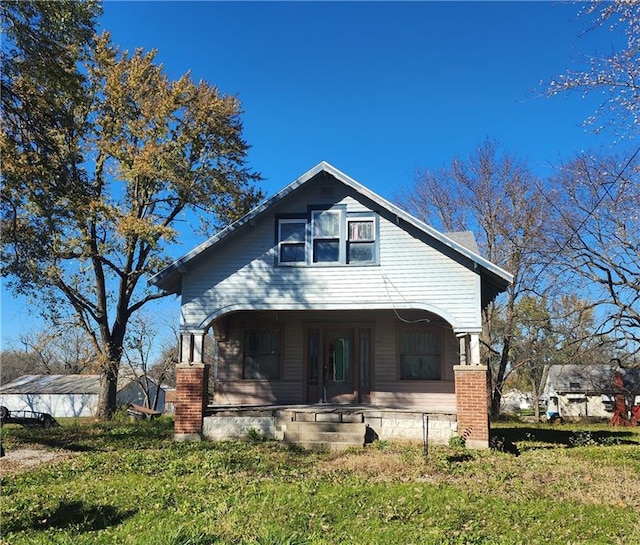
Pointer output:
x,y
378,89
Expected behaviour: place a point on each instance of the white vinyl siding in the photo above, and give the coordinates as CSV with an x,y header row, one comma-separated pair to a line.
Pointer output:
x,y
243,273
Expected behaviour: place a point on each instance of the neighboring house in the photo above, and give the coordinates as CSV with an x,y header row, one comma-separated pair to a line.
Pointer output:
x,y
326,293
515,401
573,391
132,391
58,395
67,395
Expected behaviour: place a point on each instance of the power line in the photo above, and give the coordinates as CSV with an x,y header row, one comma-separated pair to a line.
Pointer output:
x,y
575,230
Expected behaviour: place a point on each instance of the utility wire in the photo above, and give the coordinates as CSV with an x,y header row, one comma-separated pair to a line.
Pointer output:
x,y
575,230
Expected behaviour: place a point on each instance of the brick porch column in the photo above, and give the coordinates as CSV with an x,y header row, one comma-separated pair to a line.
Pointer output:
x,y
472,404
192,378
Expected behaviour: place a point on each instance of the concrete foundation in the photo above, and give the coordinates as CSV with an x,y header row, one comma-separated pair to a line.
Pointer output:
x,y
219,428
381,423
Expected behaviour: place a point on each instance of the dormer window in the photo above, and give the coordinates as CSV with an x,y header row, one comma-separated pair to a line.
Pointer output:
x,y
328,237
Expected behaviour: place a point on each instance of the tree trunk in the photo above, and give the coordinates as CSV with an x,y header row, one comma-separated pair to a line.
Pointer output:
x,y
535,395
496,396
108,391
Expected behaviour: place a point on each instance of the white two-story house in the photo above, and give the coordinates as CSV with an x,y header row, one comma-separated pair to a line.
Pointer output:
x,y
326,293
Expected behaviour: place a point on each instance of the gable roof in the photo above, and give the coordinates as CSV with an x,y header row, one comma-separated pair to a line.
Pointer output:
x,y
593,379
53,384
464,238
168,278
65,384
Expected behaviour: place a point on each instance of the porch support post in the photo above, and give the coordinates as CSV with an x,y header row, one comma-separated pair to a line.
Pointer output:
x,y
463,340
472,404
469,348
473,357
192,378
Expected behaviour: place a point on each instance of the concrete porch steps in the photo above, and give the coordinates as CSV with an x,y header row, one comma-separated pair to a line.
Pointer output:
x,y
329,435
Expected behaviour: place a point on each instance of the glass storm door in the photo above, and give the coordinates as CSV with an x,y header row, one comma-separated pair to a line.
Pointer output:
x,y
339,363
339,366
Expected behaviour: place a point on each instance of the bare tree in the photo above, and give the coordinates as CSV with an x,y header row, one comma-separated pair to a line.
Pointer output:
x,y
64,350
163,369
16,362
148,369
596,198
597,238
497,197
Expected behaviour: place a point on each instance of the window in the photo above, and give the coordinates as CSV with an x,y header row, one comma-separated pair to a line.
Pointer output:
x,y
261,354
419,354
292,240
361,241
326,236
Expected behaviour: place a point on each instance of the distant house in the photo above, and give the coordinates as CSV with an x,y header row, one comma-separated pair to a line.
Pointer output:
x,y
515,401
67,395
58,395
132,391
327,295
587,390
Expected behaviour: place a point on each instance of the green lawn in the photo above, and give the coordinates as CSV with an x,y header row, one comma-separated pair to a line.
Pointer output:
x,y
128,483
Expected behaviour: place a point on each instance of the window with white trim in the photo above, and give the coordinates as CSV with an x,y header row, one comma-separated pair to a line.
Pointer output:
x,y
360,241
326,235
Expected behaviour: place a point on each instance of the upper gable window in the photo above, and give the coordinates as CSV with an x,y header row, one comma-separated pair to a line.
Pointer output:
x,y
292,240
326,231
328,237
360,241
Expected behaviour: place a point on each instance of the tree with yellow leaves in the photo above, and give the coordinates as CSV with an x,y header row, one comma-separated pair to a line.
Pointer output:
x,y
102,155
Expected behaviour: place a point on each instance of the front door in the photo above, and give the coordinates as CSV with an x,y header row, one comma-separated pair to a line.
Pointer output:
x,y
339,362
339,366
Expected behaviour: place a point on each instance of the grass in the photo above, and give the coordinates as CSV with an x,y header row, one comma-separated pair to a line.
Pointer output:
x,y
128,483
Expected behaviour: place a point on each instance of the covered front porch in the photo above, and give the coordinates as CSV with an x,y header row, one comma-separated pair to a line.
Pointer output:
x,y
399,375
